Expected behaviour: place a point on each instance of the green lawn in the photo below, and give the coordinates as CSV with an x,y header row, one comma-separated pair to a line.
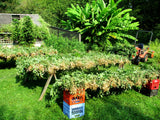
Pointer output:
x,y
20,102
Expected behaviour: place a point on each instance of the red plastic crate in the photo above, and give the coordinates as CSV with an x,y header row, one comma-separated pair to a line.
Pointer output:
x,y
74,99
153,84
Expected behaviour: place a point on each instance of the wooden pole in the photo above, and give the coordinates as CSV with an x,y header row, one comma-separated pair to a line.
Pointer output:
x,y
79,37
46,86
55,76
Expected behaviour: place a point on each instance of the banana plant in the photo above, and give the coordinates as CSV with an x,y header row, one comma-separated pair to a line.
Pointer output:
x,y
99,22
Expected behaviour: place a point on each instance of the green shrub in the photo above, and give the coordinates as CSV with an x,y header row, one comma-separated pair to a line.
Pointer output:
x,y
125,49
64,45
5,28
15,30
41,32
26,31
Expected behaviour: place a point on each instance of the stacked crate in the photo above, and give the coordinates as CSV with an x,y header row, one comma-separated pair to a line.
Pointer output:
x,y
74,105
153,86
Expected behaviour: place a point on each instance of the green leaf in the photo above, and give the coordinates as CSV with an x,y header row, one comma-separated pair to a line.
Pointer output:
x,y
88,24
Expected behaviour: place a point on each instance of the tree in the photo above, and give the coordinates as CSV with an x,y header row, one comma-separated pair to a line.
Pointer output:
x,y
8,5
146,12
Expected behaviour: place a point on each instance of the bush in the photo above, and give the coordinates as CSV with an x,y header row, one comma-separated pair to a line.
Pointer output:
x,y
26,31
15,30
41,32
124,49
64,45
6,28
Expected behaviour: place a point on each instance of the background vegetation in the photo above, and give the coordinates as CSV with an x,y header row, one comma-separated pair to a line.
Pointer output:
x,y
146,11
65,45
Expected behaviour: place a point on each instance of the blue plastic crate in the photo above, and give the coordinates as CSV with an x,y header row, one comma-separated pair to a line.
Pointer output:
x,y
73,111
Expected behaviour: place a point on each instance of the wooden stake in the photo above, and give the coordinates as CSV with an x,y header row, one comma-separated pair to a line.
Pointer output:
x,y
55,76
46,86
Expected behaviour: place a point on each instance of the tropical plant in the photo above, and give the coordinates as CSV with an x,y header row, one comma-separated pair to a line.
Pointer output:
x,y
101,23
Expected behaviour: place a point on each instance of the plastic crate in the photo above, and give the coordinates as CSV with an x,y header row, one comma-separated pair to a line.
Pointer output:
x,y
74,99
73,111
153,84
153,92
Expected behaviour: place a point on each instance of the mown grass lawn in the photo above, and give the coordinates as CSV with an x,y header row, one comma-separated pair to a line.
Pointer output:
x,y
20,102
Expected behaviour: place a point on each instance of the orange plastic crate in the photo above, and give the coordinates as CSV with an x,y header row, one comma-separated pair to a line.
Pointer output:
x,y
153,84
77,98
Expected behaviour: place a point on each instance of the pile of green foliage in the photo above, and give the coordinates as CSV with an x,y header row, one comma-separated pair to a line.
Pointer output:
x,y
93,71
101,83
40,65
8,56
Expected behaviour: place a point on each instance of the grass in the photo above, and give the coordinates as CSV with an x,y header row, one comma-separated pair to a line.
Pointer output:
x,y
20,102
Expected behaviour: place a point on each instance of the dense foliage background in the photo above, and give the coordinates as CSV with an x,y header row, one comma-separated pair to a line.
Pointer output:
x,y
146,11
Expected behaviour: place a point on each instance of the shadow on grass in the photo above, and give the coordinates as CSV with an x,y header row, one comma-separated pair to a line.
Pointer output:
x,y
58,99
89,95
31,82
111,108
105,109
7,64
